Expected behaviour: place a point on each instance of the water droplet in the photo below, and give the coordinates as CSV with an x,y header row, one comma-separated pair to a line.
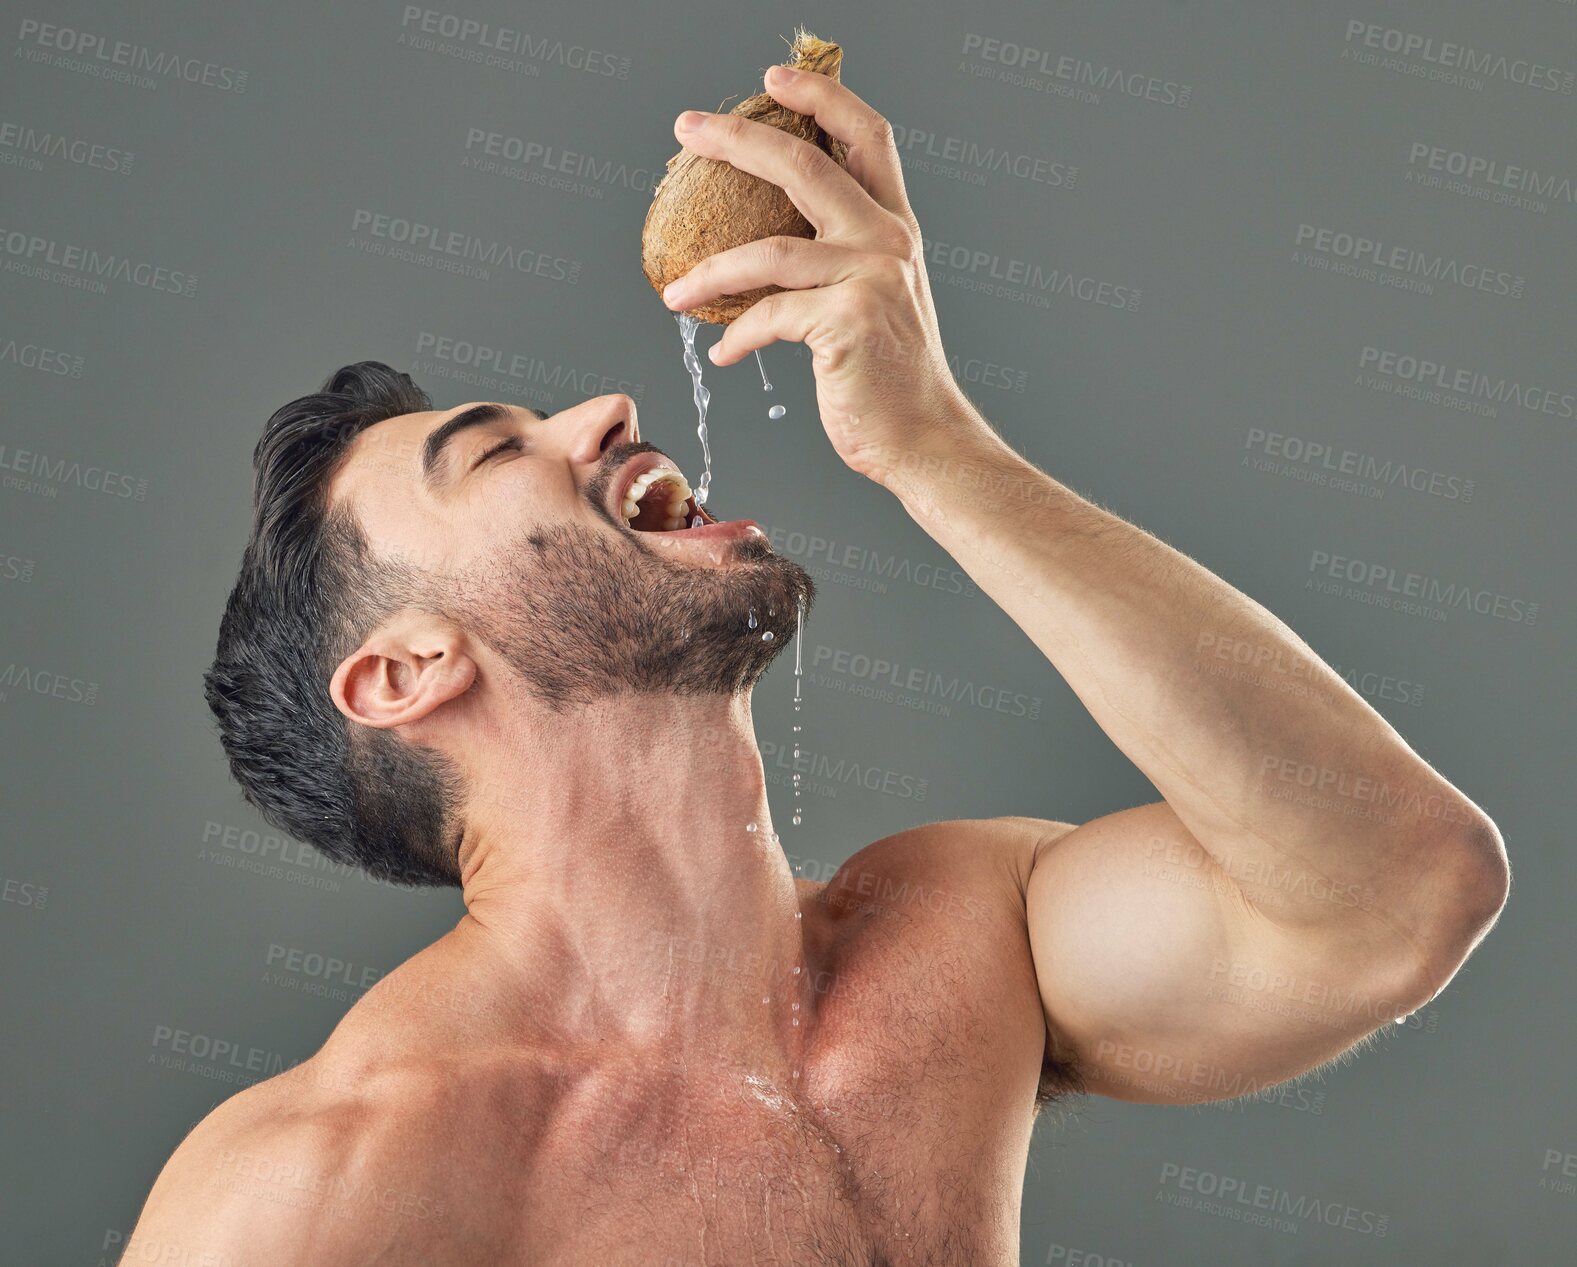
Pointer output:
x,y
767,637
797,728
777,411
796,966
795,1021
796,820
1401,1020
752,617
799,915
796,1073
750,827
766,998
795,1006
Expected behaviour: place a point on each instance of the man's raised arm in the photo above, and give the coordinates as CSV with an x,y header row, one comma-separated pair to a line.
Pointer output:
x,y
1301,841
1309,876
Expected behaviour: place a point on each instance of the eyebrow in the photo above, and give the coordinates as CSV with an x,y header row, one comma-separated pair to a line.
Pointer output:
x,y
477,416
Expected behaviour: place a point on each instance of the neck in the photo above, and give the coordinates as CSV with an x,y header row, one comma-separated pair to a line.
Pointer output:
x,y
626,868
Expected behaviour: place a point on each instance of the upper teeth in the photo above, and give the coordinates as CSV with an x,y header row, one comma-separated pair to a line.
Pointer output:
x,y
678,495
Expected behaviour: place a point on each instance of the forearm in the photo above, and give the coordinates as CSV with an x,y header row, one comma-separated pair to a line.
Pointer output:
x,y
1266,755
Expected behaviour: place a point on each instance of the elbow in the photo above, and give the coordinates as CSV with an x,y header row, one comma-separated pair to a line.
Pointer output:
x,y
1476,877
1486,874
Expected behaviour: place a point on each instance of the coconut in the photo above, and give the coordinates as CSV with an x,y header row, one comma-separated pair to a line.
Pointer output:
x,y
703,205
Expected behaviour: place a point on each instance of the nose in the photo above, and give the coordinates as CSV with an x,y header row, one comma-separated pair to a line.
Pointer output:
x,y
597,425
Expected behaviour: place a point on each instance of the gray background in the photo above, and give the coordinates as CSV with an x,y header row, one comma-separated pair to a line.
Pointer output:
x,y
138,908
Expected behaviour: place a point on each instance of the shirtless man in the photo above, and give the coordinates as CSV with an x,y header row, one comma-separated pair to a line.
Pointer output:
x,y
451,658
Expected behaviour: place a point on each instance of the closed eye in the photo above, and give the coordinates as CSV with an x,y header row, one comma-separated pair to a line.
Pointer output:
x,y
503,446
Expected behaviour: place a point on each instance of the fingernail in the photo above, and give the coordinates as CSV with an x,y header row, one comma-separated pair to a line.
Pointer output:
x,y
689,121
781,75
669,291
711,353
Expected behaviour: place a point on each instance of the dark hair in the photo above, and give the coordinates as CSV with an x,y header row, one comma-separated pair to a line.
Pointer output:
x,y
308,592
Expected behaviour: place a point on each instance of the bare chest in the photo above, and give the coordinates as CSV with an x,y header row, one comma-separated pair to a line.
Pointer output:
x,y
902,1142
757,1174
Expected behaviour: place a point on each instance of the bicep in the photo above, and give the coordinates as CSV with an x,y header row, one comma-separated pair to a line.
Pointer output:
x,y
1162,983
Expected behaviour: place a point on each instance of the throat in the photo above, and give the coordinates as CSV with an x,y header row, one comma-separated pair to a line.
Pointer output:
x,y
639,891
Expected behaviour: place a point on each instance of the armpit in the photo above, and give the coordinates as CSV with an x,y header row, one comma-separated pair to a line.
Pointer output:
x,y
1059,1078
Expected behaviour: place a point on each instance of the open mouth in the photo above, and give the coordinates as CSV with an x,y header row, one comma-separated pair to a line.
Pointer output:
x,y
659,499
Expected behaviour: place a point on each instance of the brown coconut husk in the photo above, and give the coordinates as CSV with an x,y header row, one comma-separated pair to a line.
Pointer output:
x,y
703,205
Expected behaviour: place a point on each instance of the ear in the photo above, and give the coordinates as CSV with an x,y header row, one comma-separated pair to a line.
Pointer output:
x,y
409,667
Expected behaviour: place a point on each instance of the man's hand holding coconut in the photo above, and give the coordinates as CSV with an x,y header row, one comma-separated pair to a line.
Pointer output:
x,y
856,294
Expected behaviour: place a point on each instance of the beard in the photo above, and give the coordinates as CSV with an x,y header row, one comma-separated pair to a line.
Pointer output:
x,y
581,615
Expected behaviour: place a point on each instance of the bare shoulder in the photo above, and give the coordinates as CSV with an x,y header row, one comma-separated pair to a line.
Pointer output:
x,y
322,1161
970,867
348,1155
240,1187
941,911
